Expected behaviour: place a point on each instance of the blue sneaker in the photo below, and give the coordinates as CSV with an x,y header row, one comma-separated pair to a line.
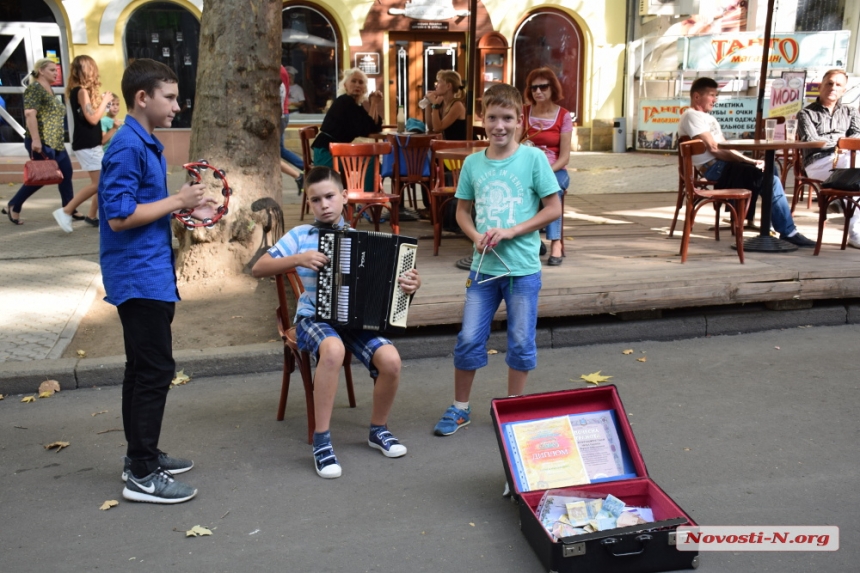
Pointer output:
x,y
452,420
325,462
386,443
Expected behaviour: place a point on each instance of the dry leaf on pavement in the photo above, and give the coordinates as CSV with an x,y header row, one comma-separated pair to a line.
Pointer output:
x,y
1,396
491,351
97,413
49,386
82,353
643,359
58,445
180,378
108,504
594,378
197,531
27,399
46,394
628,351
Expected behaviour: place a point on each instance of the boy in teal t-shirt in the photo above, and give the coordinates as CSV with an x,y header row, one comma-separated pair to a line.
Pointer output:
x,y
110,124
506,184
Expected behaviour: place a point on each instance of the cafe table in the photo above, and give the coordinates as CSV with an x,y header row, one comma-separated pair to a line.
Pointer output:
x,y
764,242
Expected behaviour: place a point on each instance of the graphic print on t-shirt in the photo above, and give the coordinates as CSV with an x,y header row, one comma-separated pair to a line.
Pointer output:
x,y
502,195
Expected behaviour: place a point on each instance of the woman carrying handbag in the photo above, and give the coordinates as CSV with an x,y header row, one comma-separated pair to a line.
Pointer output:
x,y
43,139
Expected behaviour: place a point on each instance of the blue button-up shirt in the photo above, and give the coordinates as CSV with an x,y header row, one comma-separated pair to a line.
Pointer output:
x,y
136,263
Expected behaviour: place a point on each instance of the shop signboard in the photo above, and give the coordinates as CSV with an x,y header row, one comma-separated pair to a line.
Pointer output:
x,y
658,120
743,51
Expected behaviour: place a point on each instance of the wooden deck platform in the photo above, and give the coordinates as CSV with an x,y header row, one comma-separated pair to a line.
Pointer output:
x,y
620,259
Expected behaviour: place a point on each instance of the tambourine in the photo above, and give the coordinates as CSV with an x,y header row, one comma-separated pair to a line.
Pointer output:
x,y
195,169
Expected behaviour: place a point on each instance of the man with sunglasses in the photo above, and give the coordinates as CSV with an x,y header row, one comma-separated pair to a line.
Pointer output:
x,y
731,169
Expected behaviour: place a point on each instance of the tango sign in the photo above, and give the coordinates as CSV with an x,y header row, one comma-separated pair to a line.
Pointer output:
x,y
743,51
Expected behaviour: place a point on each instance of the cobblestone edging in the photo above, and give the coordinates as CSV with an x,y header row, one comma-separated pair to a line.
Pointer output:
x,y
22,377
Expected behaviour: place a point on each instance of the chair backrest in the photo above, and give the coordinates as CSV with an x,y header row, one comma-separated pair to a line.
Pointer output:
x,y
414,153
850,145
283,310
479,132
306,136
452,165
352,160
687,150
681,140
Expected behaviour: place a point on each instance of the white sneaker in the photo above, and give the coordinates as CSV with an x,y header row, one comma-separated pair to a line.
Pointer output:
x,y
854,241
63,220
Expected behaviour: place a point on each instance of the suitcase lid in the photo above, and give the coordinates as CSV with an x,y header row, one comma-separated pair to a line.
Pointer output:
x,y
587,408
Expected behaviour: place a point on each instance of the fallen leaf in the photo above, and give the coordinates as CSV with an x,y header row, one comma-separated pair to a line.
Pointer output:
x,y
197,531
777,347
1,396
595,378
109,504
180,378
97,413
49,386
82,353
643,359
628,351
237,316
26,399
491,351
46,394
58,445
686,449
472,524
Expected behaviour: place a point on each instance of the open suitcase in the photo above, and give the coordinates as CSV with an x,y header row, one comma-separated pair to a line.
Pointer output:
x,y
640,548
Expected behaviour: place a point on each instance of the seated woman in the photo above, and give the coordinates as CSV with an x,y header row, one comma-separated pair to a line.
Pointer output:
x,y
447,112
353,114
548,126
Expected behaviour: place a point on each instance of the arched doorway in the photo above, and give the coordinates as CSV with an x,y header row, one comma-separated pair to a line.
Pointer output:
x,y
550,38
310,47
28,32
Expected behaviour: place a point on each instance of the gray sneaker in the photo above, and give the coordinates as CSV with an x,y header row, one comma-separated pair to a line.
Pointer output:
x,y
173,465
157,487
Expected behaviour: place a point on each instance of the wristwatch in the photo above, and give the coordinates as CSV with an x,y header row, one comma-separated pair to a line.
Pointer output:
x,y
437,106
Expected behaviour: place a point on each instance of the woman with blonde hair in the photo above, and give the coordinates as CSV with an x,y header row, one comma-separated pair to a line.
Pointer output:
x,y
354,113
446,113
43,137
548,126
88,108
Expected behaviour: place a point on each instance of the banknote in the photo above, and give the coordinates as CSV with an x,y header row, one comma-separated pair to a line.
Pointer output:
x,y
612,505
577,513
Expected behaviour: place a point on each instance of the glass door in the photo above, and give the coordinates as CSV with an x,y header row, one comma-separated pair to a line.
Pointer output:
x,y
21,45
414,61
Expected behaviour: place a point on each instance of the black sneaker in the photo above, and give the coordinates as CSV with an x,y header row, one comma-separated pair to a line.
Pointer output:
x,y
157,487
799,240
173,465
386,443
300,182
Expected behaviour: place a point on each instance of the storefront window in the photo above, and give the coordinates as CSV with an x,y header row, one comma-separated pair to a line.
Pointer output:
x,y
551,39
309,49
167,33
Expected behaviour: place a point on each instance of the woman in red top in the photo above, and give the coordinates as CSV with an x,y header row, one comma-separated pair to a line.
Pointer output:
x,y
548,126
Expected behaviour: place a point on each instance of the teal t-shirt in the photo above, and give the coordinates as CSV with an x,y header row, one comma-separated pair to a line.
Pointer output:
x,y
507,192
107,123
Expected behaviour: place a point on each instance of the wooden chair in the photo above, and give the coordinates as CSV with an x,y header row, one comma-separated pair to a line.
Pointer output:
x,y
293,356
479,132
441,193
411,154
696,198
700,182
307,135
850,200
803,184
352,160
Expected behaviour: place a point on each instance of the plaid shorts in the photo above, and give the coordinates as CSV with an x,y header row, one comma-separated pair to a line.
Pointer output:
x,y
362,343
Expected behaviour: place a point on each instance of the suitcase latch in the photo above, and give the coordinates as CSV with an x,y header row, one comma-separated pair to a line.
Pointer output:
x,y
573,550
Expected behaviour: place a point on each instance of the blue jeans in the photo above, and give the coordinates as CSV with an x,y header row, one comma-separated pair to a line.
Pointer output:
x,y
780,213
61,156
482,300
553,230
286,154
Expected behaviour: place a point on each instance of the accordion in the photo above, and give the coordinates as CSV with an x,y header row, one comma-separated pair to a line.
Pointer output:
x,y
358,288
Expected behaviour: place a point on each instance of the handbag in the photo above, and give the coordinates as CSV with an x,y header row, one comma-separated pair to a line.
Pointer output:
x,y
42,172
843,180
387,168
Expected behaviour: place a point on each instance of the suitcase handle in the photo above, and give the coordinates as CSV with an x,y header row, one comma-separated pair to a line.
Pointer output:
x,y
643,539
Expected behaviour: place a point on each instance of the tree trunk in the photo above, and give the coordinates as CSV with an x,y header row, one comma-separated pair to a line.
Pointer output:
x,y
236,128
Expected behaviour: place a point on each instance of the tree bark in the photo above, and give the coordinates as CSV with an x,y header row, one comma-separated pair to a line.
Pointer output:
x,y
236,128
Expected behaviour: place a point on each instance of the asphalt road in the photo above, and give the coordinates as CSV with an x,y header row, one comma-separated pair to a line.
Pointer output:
x,y
755,429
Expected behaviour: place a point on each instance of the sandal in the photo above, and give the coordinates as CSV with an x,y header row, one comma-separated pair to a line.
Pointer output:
x,y
8,213
77,216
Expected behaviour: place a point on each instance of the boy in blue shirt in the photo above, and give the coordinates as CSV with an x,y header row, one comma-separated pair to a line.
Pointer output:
x,y
137,269
298,250
506,183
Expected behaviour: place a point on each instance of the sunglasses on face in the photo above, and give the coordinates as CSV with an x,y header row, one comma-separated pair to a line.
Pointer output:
x,y
541,87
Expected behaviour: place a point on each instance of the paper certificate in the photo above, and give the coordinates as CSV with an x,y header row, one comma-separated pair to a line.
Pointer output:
x,y
548,453
597,438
